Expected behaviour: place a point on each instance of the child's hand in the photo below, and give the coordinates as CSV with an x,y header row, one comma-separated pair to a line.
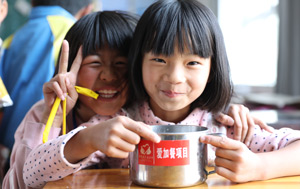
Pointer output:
x,y
234,160
243,122
62,85
118,136
115,137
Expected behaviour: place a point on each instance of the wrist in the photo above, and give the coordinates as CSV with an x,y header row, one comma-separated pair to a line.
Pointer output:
x,y
78,148
262,173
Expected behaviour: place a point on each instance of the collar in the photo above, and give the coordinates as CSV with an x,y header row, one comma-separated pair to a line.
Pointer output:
x,y
196,117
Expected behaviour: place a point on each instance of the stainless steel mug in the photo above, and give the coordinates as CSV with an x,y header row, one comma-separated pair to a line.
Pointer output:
x,y
179,160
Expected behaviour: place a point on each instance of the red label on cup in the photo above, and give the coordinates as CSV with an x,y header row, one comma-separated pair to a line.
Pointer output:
x,y
165,153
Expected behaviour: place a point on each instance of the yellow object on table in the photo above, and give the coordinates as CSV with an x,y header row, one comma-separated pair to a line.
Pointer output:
x,y
80,90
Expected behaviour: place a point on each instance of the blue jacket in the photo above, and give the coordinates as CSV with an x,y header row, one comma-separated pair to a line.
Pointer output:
x,y
28,61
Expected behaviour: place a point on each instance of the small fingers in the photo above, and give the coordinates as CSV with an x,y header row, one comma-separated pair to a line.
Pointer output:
x,y
263,125
142,130
121,144
64,57
58,90
126,135
220,142
224,119
116,152
238,129
250,132
240,114
71,90
244,126
53,87
249,136
77,62
223,162
224,172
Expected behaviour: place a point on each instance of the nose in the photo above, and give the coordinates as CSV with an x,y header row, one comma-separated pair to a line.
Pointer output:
x,y
108,74
175,74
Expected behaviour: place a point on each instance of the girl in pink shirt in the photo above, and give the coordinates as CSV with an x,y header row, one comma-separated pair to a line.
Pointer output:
x,y
179,73
101,65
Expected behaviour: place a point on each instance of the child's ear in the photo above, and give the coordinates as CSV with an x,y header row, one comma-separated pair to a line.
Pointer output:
x,y
3,10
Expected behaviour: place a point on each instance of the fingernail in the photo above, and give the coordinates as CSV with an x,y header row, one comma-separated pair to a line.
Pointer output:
x,y
157,138
202,138
62,97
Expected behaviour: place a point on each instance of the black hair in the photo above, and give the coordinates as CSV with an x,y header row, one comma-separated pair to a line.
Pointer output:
x,y
98,29
185,23
72,6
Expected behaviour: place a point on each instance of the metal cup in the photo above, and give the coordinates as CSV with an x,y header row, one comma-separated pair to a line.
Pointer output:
x,y
179,160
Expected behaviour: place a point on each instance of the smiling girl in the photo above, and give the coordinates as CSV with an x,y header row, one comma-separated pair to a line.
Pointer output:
x,y
97,59
179,74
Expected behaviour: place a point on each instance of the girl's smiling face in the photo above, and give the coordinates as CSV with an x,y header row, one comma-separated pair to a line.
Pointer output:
x,y
174,82
105,73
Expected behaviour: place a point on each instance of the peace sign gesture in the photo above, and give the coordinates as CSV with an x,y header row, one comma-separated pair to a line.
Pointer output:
x,y
62,85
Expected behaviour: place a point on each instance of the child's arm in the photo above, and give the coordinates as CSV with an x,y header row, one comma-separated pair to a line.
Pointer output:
x,y
243,122
237,163
79,148
115,137
27,137
47,163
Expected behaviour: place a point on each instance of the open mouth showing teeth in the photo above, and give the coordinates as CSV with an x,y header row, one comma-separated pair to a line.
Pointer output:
x,y
107,93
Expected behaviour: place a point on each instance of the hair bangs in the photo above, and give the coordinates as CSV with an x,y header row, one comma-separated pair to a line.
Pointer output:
x,y
112,29
108,30
179,31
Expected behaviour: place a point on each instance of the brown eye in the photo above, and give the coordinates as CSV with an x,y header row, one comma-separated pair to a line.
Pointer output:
x,y
159,60
121,63
193,63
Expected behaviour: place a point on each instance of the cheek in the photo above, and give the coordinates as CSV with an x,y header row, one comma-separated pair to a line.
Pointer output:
x,y
86,77
121,73
148,77
124,95
198,81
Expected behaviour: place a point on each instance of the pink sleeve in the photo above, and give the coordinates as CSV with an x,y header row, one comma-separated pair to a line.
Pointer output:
x,y
47,163
264,141
27,136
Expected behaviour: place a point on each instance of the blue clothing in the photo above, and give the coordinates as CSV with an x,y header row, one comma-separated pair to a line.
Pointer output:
x,y
28,61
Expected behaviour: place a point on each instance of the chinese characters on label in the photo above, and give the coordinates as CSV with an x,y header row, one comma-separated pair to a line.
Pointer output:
x,y
165,153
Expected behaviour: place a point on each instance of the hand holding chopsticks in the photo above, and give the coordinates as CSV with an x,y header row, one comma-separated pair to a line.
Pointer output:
x,y
61,87
80,90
